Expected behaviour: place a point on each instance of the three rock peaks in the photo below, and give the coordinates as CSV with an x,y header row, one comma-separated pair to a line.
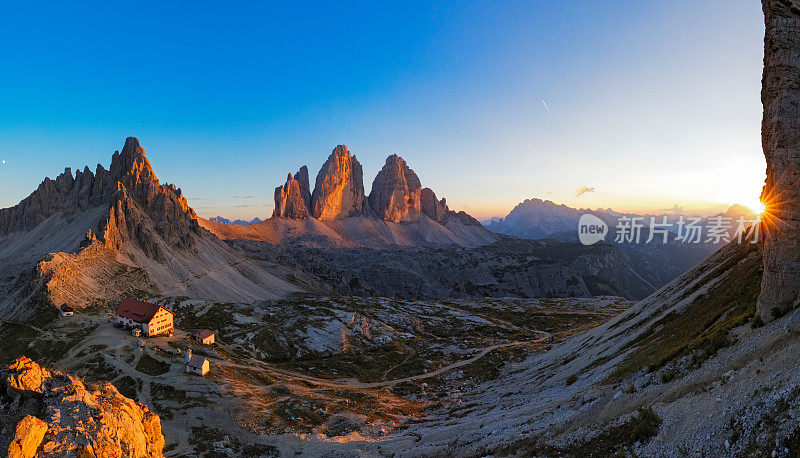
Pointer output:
x,y
397,194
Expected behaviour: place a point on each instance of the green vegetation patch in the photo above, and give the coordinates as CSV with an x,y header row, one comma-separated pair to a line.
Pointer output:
x,y
704,327
152,366
203,438
128,387
260,450
612,441
161,392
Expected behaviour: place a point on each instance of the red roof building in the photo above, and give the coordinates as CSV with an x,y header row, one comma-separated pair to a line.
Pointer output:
x,y
153,319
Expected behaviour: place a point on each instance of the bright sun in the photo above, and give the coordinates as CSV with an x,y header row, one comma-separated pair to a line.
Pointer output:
x,y
758,207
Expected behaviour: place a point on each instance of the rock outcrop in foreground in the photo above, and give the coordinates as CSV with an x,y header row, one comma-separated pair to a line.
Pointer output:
x,y
63,417
396,192
780,132
339,190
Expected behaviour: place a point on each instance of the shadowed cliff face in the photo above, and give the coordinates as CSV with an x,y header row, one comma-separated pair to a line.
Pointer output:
x,y
780,132
144,211
396,190
139,209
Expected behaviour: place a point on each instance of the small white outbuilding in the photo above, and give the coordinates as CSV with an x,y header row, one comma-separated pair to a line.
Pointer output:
x,y
197,365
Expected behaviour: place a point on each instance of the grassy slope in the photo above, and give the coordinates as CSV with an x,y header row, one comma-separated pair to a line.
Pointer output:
x,y
703,327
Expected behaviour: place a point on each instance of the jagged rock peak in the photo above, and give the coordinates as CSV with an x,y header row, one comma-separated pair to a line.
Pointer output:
x,y
434,209
396,192
780,131
140,209
339,189
292,200
132,161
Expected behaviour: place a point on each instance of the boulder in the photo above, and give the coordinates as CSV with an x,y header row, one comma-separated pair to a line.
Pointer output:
x,y
339,189
25,375
396,192
28,437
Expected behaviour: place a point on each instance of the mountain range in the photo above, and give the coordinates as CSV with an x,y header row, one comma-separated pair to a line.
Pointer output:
x,y
537,218
703,366
96,236
657,262
240,222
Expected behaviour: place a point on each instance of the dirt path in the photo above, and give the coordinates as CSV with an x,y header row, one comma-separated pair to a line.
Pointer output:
x,y
355,384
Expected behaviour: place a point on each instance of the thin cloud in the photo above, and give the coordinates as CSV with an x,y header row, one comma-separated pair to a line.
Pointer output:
x,y
545,106
583,190
244,197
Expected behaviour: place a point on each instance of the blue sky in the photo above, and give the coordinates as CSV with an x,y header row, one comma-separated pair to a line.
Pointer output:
x,y
651,103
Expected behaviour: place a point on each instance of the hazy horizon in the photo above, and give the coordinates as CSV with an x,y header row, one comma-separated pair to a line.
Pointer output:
x,y
650,104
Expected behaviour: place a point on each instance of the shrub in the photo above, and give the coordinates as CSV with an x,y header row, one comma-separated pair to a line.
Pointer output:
x,y
151,366
756,322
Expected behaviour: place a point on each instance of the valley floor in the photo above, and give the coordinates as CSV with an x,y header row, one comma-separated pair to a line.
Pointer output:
x,y
311,374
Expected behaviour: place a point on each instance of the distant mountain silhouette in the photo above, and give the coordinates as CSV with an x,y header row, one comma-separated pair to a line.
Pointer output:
x,y
238,222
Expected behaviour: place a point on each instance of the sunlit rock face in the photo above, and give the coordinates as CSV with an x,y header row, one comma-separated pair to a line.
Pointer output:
x,y
79,420
780,96
396,192
293,199
339,190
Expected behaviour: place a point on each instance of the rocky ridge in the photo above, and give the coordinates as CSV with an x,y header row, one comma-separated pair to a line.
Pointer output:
x,y
130,193
97,235
238,222
506,268
57,415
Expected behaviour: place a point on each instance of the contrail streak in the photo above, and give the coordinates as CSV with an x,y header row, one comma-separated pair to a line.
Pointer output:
x,y
545,105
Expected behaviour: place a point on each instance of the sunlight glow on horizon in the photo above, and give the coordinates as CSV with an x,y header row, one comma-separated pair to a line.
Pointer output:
x,y
653,104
